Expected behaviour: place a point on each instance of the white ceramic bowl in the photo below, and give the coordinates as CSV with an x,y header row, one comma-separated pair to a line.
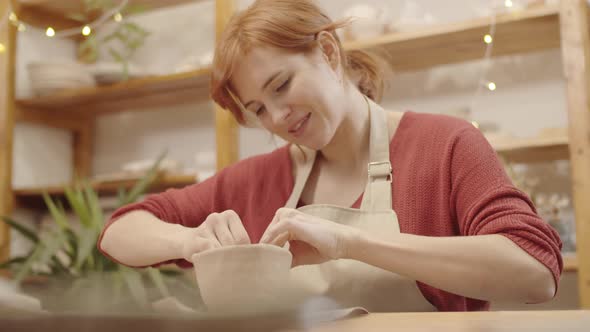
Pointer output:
x,y
243,279
50,77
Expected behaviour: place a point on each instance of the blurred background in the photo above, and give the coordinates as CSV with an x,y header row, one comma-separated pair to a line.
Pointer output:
x,y
100,89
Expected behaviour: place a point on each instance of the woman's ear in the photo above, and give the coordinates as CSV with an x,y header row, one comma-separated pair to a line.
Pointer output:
x,y
330,50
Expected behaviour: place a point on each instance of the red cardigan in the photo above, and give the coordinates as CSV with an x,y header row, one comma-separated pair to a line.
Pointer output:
x,y
447,181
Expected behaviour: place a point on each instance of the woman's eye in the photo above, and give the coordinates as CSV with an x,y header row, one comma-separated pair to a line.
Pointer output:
x,y
284,85
260,110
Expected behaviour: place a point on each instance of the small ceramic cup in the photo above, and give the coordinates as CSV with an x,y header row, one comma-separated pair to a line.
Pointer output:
x,y
244,278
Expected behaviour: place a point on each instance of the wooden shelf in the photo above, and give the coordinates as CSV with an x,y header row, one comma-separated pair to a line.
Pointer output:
x,y
570,262
42,13
136,94
431,46
520,32
533,149
32,197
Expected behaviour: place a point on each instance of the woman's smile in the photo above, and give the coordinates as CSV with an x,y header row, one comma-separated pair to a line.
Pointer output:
x,y
298,127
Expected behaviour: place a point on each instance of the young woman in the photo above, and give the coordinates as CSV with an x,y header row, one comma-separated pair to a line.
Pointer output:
x,y
388,210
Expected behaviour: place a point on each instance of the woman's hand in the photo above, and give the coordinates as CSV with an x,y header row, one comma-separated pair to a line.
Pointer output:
x,y
311,240
218,230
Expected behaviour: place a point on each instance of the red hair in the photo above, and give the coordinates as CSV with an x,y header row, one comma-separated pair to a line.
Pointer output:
x,y
286,24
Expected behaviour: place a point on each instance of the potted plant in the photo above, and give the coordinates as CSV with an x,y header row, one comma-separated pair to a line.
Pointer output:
x,y
122,41
76,276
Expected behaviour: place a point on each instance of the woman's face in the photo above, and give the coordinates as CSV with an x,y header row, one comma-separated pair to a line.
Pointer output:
x,y
297,96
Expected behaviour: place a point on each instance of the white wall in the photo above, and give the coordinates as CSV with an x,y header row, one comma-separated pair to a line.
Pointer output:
x,y
42,156
530,92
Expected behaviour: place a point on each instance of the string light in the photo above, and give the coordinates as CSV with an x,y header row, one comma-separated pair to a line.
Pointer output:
x,y
12,17
488,39
508,3
486,60
86,31
492,86
2,48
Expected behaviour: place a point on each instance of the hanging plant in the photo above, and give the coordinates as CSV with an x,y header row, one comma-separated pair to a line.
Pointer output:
x,y
121,43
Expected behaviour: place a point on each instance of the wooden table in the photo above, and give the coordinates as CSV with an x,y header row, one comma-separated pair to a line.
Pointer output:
x,y
499,321
530,321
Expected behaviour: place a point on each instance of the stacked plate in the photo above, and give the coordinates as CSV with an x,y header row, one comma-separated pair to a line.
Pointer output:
x,y
112,72
50,77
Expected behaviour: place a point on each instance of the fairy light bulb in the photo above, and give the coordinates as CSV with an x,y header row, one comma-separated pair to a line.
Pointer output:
x,y
86,31
22,27
2,48
50,32
12,17
508,3
118,17
492,86
487,39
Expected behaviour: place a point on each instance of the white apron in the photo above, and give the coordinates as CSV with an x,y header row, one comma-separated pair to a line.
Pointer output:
x,y
348,282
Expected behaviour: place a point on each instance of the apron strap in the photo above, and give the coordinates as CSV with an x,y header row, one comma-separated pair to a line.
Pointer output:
x,y
301,178
377,196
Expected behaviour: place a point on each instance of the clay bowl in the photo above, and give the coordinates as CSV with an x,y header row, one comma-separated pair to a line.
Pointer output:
x,y
244,278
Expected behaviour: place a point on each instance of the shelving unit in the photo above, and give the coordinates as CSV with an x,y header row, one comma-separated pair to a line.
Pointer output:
x,y
522,150
564,26
33,197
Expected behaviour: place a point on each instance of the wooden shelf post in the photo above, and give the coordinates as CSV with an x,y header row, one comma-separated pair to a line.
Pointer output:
x,y
226,127
575,45
7,119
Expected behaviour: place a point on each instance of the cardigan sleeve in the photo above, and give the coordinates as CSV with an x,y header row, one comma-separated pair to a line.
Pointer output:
x,y
485,201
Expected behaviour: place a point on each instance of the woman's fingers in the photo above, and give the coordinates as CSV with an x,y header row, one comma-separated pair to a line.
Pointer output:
x,y
236,228
286,229
222,232
198,244
272,233
281,239
227,228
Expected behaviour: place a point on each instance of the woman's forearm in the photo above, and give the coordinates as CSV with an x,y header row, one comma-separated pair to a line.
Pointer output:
x,y
138,238
486,267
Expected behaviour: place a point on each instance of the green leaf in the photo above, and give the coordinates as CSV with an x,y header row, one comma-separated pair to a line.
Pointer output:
x,y
27,265
58,214
125,70
58,266
13,261
52,243
87,242
79,17
135,9
76,200
170,273
117,286
133,280
73,245
22,229
142,185
96,215
95,4
158,281
121,194
116,55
